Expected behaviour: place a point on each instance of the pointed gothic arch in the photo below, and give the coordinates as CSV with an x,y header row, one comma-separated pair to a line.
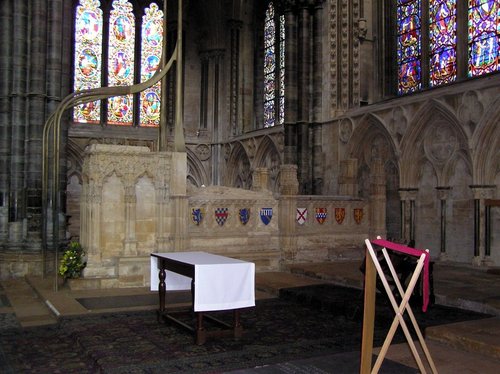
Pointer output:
x,y
239,171
435,136
370,141
268,156
486,143
196,173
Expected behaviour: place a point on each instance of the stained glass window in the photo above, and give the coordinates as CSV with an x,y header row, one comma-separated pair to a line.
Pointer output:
x,y
88,57
121,61
409,39
152,38
119,45
481,44
484,35
442,41
281,112
274,73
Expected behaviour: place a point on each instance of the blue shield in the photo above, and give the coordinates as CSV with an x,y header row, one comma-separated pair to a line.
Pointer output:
x,y
244,215
196,215
266,214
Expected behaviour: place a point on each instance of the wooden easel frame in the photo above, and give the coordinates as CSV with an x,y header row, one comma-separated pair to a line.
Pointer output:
x,y
372,264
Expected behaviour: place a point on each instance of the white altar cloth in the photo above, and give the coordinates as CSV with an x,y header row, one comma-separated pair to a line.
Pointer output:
x,y
221,283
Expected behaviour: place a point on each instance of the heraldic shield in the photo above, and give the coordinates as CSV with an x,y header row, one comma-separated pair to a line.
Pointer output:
x,y
321,214
265,215
358,215
197,215
339,215
301,215
244,215
221,215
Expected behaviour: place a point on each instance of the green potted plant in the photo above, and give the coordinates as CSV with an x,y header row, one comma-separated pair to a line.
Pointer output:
x,y
72,262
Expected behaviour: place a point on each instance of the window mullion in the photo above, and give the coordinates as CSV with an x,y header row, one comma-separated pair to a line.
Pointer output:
x,y
462,40
137,66
425,44
104,65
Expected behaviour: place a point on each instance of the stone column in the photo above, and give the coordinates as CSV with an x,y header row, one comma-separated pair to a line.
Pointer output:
x,y
162,199
481,193
348,178
289,187
291,58
443,195
317,94
17,197
90,231
234,107
179,199
130,244
377,199
408,197
260,179
6,66
487,226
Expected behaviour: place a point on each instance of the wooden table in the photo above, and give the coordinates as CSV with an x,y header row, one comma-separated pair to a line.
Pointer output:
x,y
216,283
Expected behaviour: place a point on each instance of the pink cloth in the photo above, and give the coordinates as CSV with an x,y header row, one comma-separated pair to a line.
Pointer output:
x,y
412,252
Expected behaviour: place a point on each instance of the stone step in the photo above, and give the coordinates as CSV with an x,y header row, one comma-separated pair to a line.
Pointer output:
x,y
29,308
480,336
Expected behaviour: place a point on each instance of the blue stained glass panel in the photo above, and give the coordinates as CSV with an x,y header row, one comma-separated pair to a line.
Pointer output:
x,y
409,76
442,42
484,35
409,41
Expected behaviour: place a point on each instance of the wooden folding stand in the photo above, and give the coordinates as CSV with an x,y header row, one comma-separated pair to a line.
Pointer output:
x,y
369,308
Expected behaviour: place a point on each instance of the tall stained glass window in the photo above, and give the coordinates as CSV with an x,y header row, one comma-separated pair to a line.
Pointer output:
x,y
121,61
88,57
434,60
409,49
274,71
119,45
152,38
484,36
442,41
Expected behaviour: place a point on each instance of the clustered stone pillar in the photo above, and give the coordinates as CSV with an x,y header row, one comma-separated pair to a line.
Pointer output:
x,y
348,178
303,83
443,195
408,197
260,179
481,194
289,187
35,55
377,198
130,221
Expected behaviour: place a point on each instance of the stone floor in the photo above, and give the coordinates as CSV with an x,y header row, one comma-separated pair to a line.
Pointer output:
x,y
467,347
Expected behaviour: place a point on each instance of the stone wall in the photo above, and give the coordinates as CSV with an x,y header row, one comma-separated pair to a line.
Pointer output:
x,y
135,202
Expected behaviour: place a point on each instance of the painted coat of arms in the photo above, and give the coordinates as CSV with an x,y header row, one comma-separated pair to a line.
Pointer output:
x,y
339,215
265,215
301,215
358,215
197,215
221,215
244,215
321,214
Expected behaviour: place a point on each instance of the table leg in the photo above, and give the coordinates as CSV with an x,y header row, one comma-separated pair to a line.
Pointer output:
x,y
201,335
237,327
162,288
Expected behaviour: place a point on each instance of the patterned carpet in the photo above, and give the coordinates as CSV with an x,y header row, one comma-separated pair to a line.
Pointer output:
x,y
295,326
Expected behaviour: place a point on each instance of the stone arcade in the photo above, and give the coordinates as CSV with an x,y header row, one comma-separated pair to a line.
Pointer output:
x,y
423,166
